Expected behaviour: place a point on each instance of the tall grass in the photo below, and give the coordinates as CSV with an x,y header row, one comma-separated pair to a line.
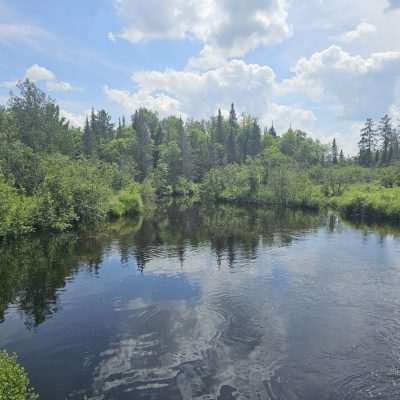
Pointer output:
x,y
369,202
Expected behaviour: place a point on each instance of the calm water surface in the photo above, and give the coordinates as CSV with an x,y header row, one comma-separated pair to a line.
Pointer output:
x,y
207,304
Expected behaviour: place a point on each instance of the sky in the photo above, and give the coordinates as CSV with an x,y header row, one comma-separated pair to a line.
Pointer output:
x,y
323,66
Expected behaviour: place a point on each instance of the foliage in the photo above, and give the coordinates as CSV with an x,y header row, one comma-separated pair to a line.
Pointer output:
x,y
55,177
18,213
14,382
126,202
72,192
370,202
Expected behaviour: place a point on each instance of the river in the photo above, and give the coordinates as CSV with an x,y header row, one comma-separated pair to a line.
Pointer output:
x,y
207,303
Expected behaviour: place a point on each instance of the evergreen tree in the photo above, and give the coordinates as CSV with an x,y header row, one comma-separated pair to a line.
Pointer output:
x,y
272,131
103,127
254,143
144,153
334,152
341,157
367,143
231,142
158,141
394,146
89,140
186,152
220,129
385,133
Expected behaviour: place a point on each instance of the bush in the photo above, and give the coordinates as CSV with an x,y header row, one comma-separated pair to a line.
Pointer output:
x,y
370,202
14,382
126,202
72,192
18,213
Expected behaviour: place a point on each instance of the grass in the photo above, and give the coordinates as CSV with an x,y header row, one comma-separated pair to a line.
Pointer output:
x,y
369,202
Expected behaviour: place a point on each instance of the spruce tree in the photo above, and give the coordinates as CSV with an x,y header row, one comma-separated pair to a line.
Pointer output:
x,y
186,166
385,133
272,131
89,140
367,143
254,143
341,157
144,153
334,152
231,142
220,128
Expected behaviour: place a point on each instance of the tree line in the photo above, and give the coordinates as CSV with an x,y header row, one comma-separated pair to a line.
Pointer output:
x,y
54,176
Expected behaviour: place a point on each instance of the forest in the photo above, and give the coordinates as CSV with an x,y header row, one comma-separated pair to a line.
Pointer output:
x,y
55,177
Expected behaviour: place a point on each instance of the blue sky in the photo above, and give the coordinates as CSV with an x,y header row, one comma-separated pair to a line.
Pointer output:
x,y
323,66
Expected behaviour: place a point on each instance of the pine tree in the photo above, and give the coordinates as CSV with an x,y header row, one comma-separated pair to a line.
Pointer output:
x,y
334,152
186,166
89,141
367,143
231,142
272,130
144,154
254,143
385,133
220,128
341,157
103,128
394,145
159,138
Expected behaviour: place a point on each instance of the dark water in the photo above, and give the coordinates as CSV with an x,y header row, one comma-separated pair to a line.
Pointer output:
x,y
207,304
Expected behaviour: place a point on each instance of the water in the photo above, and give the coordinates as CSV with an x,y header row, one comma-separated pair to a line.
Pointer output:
x,y
193,303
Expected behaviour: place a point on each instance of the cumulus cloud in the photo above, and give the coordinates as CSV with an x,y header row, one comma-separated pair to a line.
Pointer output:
x,y
361,86
227,27
199,94
284,116
163,104
37,73
76,120
362,30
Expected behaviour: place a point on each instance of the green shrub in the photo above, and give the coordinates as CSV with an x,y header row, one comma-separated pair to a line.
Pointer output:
x,y
18,213
14,382
371,201
126,202
73,191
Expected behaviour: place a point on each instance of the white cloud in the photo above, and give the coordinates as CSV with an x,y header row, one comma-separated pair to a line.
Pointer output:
x,y
227,27
361,86
76,120
111,36
362,30
199,94
37,73
284,116
161,103
60,86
